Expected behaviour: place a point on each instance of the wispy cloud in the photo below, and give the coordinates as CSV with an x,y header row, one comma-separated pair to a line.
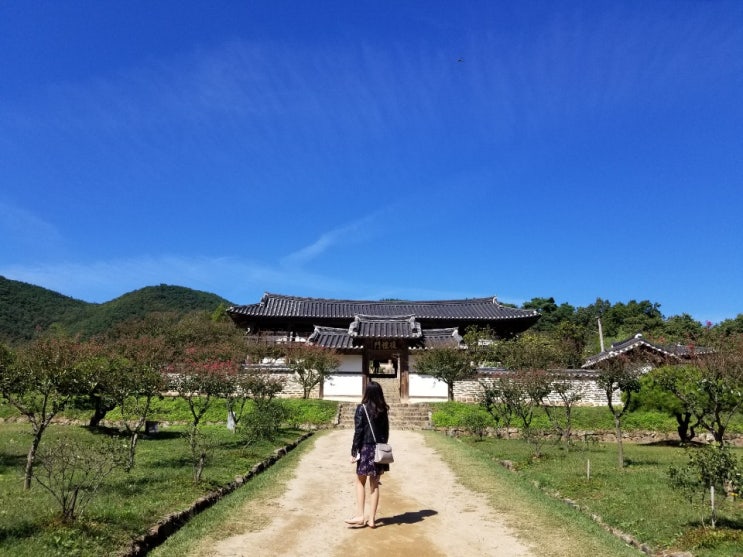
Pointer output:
x,y
23,229
235,279
354,232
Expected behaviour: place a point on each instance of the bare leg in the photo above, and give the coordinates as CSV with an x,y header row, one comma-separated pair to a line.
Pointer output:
x,y
360,501
373,499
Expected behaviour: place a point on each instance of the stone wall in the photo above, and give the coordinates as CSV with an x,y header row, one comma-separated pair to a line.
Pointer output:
x,y
292,387
582,382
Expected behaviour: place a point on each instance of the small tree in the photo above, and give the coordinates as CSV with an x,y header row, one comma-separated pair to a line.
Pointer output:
x,y
561,417
72,472
529,352
39,382
447,364
481,346
570,342
499,400
712,386
711,467
526,388
138,383
657,393
475,421
263,349
531,388
311,364
619,374
199,381
201,448
246,384
264,421
268,414
100,369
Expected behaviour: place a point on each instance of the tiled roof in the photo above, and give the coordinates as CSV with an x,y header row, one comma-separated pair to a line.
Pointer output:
x,y
673,351
441,337
333,337
341,339
277,305
404,326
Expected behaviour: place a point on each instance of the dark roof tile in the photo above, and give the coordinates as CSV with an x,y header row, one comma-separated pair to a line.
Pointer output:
x,y
404,326
673,351
340,339
277,305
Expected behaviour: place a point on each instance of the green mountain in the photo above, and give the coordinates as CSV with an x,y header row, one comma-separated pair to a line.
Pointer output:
x,y
26,309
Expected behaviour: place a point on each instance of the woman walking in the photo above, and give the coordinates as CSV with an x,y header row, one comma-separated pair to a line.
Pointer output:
x,y
371,413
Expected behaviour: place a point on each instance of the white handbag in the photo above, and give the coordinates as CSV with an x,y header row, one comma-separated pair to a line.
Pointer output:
x,y
383,451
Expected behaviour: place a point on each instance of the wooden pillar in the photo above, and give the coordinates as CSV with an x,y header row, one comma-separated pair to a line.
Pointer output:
x,y
364,371
404,375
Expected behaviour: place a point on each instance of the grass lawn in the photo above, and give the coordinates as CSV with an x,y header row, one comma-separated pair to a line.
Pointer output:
x,y
637,500
593,418
225,518
127,504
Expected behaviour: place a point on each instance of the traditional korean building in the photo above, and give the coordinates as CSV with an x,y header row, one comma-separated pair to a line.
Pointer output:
x,y
640,350
378,339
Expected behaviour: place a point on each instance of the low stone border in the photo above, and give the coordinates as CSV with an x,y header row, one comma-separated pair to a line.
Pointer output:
x,y
172,523
624,536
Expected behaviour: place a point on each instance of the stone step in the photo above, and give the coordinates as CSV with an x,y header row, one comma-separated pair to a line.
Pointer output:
x,y
401,416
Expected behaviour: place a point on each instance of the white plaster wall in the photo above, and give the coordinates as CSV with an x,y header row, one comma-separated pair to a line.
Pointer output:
x,y
350,362
343,387
426,388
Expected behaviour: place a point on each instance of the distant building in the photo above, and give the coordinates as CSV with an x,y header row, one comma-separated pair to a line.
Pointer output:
x,y
642,351
378,339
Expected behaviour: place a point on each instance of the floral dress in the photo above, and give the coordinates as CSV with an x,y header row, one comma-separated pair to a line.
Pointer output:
x,y
365,465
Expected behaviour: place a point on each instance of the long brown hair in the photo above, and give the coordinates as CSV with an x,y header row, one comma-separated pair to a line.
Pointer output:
x,y
374,399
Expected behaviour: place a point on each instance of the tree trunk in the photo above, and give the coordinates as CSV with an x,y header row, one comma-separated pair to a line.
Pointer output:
x,y
132,451
450,391
200,467
683,421
31,458
100,412
620,450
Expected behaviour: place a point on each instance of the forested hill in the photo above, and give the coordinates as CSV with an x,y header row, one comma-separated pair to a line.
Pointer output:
x,y
26,309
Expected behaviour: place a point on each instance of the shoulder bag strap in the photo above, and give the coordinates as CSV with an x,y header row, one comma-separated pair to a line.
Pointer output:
x,y
370,422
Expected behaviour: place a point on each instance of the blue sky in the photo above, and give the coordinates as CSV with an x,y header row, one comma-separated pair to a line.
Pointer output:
x,y
417,150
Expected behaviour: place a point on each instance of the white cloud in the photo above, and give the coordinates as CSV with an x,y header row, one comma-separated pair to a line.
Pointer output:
x,y
27,230
237,280
351,233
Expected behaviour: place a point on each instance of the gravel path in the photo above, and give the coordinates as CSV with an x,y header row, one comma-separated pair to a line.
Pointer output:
x,y
423,510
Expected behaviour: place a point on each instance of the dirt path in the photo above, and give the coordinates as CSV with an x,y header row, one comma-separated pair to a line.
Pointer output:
x,y
423,510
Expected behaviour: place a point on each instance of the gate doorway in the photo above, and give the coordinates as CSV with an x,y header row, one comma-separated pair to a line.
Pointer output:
x,y
389,369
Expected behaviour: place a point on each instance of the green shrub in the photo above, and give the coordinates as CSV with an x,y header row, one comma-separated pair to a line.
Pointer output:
x,y
710,466
263,421
476,422
314,412
594,418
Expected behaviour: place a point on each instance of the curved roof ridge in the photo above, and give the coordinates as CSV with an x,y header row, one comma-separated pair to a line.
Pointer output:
x,y
483,299
367,317
273,306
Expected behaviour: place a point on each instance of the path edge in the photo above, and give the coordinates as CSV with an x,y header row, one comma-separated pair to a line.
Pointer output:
x,y
169,525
